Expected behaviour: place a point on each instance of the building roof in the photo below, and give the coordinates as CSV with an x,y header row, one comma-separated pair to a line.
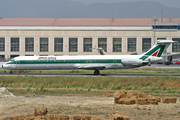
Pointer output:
x,y
83,21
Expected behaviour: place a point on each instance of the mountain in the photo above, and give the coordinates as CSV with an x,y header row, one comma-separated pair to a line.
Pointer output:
x,y
74,9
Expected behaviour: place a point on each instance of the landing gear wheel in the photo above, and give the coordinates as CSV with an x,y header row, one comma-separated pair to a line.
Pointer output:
x,y
149,62
10,72
96,72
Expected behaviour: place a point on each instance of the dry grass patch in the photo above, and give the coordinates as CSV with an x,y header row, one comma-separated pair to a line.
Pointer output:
x,y
133,97
169,100
40,113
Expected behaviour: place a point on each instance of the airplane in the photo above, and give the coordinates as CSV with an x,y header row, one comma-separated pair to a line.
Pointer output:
x,y
101,51
89,62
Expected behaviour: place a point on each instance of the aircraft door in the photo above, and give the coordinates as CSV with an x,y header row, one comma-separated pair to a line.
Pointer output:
x,y
47,64
13,66
17,64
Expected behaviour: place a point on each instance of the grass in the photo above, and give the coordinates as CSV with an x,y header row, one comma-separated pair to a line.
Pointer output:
x,y
60,85
55,92
84,92
108,82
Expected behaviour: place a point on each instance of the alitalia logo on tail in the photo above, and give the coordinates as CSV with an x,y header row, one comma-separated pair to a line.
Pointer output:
x,y
156,52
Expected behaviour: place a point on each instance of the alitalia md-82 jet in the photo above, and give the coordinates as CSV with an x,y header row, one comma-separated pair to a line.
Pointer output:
x,y
89,62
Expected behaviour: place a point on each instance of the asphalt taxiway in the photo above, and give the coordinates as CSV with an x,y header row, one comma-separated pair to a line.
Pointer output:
x,y
89,74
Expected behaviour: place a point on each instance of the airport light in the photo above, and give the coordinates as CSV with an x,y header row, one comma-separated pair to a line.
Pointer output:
x,y
155,20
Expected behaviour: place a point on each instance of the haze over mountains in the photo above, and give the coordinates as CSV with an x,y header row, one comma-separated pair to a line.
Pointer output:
x,y
169,3
74,9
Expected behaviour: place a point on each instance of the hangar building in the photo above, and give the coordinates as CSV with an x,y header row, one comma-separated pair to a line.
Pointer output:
x,y
77,36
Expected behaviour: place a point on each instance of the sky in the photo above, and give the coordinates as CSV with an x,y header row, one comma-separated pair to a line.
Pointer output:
x,y
85,8
169,3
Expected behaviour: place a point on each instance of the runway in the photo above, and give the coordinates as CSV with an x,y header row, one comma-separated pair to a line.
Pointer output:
x,y
163,66
91,74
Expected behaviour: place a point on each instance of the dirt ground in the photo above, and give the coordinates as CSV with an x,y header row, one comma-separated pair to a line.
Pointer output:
x,y
83,105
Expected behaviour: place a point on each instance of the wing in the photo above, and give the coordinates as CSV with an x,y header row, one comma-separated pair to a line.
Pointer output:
x,y
93,67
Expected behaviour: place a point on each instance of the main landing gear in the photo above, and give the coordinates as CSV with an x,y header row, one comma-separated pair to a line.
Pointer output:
x,y
10,72
96,72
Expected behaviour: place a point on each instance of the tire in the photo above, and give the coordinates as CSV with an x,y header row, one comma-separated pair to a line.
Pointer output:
x,y
96,72
10,72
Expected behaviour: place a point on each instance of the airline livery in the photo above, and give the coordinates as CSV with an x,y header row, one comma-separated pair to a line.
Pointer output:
x,y
101,51
89,62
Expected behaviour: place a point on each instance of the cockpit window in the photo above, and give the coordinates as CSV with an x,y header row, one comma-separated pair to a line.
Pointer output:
x,y
12,59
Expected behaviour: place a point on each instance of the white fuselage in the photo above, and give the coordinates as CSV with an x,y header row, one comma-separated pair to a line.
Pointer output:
x,y
89,62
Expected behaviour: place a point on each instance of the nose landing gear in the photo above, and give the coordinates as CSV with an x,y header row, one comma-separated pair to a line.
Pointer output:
x,y
10,72
96,72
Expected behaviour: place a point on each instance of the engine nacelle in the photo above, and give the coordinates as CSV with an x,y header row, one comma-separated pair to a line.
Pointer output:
x,y
131,62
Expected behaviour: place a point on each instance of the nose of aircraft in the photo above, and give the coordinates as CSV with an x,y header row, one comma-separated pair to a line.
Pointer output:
x,y
5,66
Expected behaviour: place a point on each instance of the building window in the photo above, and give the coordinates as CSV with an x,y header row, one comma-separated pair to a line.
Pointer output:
x,y
58,44
161,38
117,44
73,45
29,44
176,46
2,57
146,44
29,55
44,45
2,44
131,44
102,43
14,44
12,56
87,44
165,27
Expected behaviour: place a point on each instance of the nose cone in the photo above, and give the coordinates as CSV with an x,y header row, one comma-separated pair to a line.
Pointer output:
x,y
5,66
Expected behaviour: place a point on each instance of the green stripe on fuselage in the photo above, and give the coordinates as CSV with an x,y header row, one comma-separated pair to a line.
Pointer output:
x,y
65,61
